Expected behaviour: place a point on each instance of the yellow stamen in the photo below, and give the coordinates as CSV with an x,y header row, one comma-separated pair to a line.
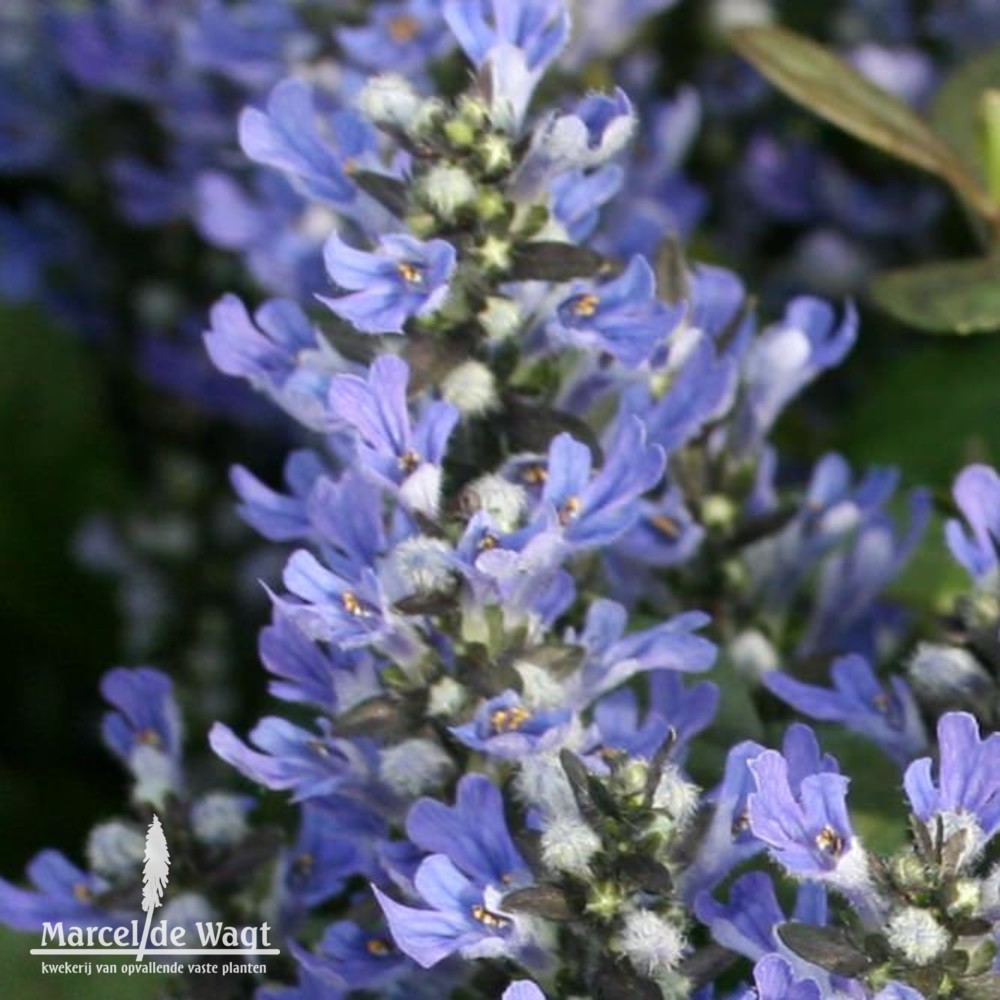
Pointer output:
x,y
829,841
410,273
377,947
509,720
666,526
535,475
492,920
586,305
82,893
351,604
404,28
409,462
148,737
487,543
569,510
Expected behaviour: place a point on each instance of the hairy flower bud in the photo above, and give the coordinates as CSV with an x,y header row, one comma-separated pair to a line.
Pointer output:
x,y
569,845
501,318
415,766
388,99
115,850
471,389
917,935
652,943
446,190
219,819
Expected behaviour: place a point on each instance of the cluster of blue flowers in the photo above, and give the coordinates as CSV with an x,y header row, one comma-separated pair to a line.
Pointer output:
x,y
534,493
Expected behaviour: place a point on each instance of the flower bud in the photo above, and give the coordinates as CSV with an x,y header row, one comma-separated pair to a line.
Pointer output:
x,y
917,935
569,845
415,766
447,189
501,318
949,677
651,942
471,389
115,850
388,99
220,819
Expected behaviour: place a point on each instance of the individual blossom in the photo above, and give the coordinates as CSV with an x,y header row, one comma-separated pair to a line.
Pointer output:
x,y
886,713
62,892
279,353
595,131
287,136
622,316
966,797
144,731
505,727
613,656
401,37
799,811
402,454
974,544
307,763
774,979
402,278
515,41
786,357
590,511
463,883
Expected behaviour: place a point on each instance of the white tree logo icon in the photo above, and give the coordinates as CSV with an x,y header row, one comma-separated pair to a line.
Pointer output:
x,y
155,872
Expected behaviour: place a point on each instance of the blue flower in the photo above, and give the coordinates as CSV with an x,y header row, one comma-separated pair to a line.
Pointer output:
x,y
331,607
282,356
335,843
887,714
277,516
597,129
775,980
504,727
473,833
786,357
799,810
403,278
352,957
462,882
62,892
398,37
622,316
728,841
591,512
399,454
967,795
463,917
747,923
852,580
145,731
251,44
295,759
614,656
977,493
309,674
515,40
286,137
577,198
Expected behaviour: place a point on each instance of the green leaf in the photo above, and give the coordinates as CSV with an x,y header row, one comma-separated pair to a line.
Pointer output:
x,y
960,296
955,110
828,86
828,947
